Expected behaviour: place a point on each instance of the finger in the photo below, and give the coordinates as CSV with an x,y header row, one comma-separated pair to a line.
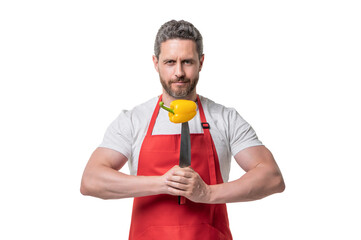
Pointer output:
x,y
179,179
183,173
176,185
173,169
175,192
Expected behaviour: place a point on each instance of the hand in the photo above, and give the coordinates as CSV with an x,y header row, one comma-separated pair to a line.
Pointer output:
x,y
187,183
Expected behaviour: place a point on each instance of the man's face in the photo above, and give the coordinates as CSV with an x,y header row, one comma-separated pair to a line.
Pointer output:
x,y
178,67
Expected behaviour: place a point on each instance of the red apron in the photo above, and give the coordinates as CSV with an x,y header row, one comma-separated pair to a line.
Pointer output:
x,y
160,217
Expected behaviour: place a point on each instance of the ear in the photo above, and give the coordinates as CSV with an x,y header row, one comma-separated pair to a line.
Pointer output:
x,y
155,62
201,60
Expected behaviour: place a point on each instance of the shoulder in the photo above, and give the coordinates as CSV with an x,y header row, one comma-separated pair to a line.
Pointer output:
x,y
226,121
144,109
134,120
218,111
140,112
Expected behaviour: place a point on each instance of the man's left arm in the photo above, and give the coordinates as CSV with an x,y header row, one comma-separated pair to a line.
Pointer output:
x,y
262,178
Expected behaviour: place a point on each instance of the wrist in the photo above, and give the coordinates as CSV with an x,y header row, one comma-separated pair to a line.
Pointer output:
x,y
148,185
158,185
213,190
153,183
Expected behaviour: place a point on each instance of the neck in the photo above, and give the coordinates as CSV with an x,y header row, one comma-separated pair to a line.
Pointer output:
x,y
167,99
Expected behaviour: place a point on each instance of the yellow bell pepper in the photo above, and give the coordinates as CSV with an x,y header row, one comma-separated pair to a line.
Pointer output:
x,y
180,111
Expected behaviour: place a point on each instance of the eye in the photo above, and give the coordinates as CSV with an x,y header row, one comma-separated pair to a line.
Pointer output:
x,y
169,62
188,62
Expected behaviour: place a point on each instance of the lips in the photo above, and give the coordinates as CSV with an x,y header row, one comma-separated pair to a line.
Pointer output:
x,y
180,82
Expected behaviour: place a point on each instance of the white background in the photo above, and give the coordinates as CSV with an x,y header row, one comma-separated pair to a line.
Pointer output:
x,y
67,68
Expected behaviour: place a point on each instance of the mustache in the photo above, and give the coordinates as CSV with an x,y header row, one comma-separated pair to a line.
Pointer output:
x,y
180,80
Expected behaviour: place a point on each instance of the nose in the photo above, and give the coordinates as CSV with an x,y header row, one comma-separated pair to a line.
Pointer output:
x,y
179,73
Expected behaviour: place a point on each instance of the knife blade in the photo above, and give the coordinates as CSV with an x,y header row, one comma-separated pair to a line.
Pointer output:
x,y
185,146
185,152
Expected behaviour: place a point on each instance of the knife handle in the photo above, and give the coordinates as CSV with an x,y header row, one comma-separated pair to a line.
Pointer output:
x,y
181,200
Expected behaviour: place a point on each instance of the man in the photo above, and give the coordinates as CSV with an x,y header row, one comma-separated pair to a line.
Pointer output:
x,y
146,139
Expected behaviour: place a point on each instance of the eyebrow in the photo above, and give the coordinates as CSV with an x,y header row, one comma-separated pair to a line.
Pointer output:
x,y
186,59
167,60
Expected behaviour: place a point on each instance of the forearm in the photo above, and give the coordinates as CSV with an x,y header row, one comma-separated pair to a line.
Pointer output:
x,y
107,183
255,184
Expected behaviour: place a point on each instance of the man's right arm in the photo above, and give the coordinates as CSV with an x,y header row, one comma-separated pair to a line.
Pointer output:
x,y
102,179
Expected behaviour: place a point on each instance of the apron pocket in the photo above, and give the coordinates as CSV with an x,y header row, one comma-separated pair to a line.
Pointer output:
x,y
184,232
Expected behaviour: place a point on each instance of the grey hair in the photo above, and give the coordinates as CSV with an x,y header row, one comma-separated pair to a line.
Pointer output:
x,y
178,30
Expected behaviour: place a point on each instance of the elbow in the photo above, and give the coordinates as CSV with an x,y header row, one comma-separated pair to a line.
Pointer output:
x,y
280,184
85,188
88,187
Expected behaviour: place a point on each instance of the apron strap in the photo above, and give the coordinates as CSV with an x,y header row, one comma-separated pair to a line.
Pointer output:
x,y
209,142
154,117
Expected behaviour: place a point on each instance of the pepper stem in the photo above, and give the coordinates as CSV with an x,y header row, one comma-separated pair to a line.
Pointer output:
x,y
161,104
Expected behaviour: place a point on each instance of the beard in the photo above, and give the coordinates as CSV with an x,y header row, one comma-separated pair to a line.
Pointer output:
x,y
181,91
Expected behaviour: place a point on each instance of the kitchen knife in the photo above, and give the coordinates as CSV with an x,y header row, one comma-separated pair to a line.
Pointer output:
x,y
185,152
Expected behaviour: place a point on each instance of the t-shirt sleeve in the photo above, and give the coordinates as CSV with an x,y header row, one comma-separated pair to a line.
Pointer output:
x,y
241,133
118,135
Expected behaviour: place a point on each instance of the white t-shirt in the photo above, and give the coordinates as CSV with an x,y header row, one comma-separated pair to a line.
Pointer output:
x,y
229,131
